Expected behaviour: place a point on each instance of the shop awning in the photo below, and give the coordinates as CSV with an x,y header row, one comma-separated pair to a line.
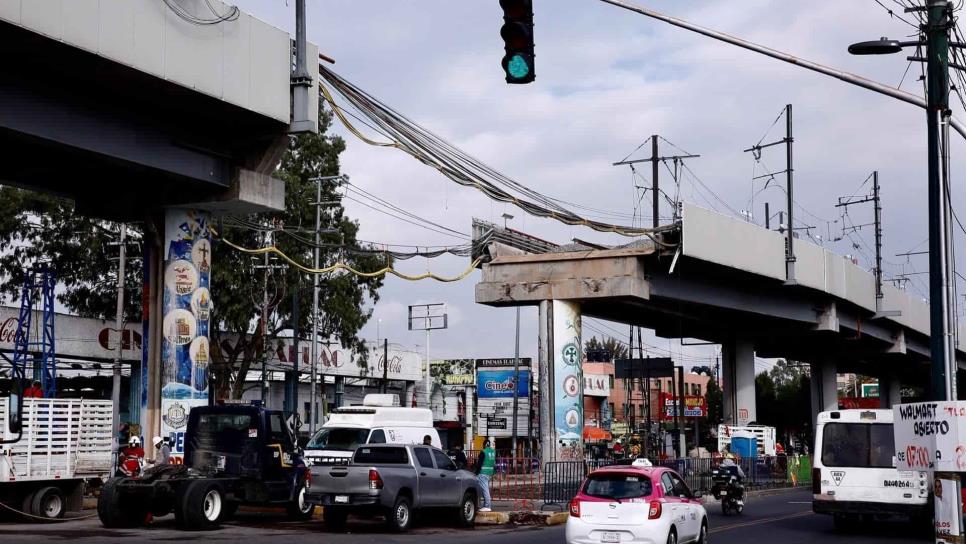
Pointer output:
x,y
596,434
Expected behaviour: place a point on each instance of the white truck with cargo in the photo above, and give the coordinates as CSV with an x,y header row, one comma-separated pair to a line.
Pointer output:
x,y
63,445
854,474
378,421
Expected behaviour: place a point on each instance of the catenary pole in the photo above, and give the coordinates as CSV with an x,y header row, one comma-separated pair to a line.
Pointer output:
x,y
118,349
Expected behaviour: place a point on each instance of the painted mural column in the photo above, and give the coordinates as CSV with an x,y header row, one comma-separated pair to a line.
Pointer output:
x,y
177,309
568,392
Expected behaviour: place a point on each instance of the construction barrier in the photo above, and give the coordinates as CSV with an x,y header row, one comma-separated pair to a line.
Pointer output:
x,y
517,480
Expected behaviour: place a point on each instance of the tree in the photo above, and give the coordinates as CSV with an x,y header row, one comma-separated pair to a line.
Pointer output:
x,y
714,400
606,351
344,298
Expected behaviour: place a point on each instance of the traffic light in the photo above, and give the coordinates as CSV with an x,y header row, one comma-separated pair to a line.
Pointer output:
x,y
517,33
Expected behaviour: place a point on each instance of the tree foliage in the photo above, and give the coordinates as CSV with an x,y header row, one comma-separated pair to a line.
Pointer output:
x,y
607,350
783,395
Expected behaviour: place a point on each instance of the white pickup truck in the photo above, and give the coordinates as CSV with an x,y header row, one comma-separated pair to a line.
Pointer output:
x,y
64,443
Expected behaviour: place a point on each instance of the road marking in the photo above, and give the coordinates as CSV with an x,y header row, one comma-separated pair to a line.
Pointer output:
x,y
761,521
799,502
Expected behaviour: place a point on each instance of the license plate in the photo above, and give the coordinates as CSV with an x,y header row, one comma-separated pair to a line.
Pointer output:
x,y
342,499
610,537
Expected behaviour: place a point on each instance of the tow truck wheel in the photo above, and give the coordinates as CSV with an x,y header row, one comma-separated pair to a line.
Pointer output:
x,y
300,509
48,503
201,505
116,513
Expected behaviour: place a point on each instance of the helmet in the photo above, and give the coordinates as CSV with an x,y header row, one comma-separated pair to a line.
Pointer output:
x,y
156,440
134,442
730,455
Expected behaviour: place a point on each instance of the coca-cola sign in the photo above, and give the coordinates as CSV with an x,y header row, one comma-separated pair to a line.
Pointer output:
x,y
8,330
75,337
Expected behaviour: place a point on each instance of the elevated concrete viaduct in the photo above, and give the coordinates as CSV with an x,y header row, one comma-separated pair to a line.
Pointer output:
x,y
722,280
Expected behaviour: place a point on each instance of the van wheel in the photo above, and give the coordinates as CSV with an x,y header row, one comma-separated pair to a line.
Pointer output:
x,y
200,505
335,518
467,510
116,513
401,516
300,509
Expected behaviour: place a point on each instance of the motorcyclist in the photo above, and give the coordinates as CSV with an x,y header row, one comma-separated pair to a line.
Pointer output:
x,y
728,462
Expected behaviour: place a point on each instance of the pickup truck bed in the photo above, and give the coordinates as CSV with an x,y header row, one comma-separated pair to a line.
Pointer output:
x,y
393,481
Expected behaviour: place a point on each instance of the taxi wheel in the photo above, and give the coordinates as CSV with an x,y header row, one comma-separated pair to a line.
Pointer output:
x,y
703,535
672,536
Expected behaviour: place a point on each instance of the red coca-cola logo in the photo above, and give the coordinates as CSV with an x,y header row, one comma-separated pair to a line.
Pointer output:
x,y
8,330
104,337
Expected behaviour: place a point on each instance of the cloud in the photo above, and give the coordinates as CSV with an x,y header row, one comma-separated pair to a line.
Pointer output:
x,y
606,80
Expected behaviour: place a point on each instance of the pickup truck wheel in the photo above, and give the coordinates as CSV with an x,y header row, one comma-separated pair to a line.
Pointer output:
x,y
49,503
300,509
467,511
116,513
201,505
400,516
335,518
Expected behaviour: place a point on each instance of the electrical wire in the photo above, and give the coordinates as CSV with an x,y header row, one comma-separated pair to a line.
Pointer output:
x,y
452,162
182,13
343,266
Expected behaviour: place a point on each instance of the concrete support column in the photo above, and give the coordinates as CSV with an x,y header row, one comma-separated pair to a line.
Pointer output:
x,y
889,390
544,348
738,377
561,382
824,388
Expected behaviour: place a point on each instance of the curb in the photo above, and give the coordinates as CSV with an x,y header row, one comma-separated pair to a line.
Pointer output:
x,y
492,518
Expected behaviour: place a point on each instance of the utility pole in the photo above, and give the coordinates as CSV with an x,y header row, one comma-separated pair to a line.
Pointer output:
x,y
655,186
755,150
118,349
385,365
313,373
516,384
845,202
937,77
263,321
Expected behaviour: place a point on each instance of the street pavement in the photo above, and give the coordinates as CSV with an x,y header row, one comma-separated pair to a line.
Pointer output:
x,y
784,516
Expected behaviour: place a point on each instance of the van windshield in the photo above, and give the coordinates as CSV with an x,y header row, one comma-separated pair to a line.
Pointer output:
x,y
618,486
861,445
338,438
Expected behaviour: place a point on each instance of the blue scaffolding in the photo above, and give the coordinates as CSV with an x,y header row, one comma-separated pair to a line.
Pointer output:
x,y
38,282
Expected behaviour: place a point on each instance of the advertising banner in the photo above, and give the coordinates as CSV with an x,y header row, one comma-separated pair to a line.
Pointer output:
x,y
568,381
186,309
495,417
694,406
928,436
947,505
454,371
493,384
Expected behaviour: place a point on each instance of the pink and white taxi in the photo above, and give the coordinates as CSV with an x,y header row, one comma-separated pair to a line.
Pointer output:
x,y
638,504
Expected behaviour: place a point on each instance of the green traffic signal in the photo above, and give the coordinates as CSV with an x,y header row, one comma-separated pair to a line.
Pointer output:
x,y
517,34
518,67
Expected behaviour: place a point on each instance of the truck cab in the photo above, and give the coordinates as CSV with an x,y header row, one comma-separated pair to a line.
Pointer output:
x,y
234,455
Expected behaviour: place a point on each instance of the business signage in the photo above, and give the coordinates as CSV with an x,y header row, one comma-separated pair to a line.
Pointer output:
x,y
929,435
566,355
454,371
494,384
694,406
503,362
496,423
597,385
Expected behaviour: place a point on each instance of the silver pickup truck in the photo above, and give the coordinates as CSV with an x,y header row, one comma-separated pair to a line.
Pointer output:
x,y
394,481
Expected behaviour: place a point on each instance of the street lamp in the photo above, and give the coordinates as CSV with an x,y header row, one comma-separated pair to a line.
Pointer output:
x,y
942,316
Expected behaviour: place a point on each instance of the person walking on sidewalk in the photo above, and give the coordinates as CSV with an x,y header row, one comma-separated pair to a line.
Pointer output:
x,y
485,467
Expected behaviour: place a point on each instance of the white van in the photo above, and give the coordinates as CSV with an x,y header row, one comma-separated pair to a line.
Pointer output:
x,y
854,474
377,421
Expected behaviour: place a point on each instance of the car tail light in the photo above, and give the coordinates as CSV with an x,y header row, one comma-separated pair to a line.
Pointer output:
x,y
375,480
816,481
575,507
654,512
308,478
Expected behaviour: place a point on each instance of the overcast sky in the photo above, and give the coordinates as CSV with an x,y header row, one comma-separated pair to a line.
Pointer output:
x,y
606,80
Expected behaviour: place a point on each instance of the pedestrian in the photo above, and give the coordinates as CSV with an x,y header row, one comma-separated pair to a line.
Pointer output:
x,y
34,391
459,457
485,467
163,454
427,440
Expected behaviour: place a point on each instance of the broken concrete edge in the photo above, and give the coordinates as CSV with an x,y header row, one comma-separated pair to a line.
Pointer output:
x,y
521,517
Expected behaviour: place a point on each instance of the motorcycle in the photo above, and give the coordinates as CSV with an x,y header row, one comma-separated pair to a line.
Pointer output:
x,y
726,487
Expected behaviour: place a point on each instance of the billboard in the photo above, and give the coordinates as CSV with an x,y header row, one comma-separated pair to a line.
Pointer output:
x,y
498,384
694,406
454,371
567,388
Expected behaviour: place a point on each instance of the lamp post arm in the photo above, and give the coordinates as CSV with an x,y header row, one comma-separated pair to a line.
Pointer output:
x,y
841,75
